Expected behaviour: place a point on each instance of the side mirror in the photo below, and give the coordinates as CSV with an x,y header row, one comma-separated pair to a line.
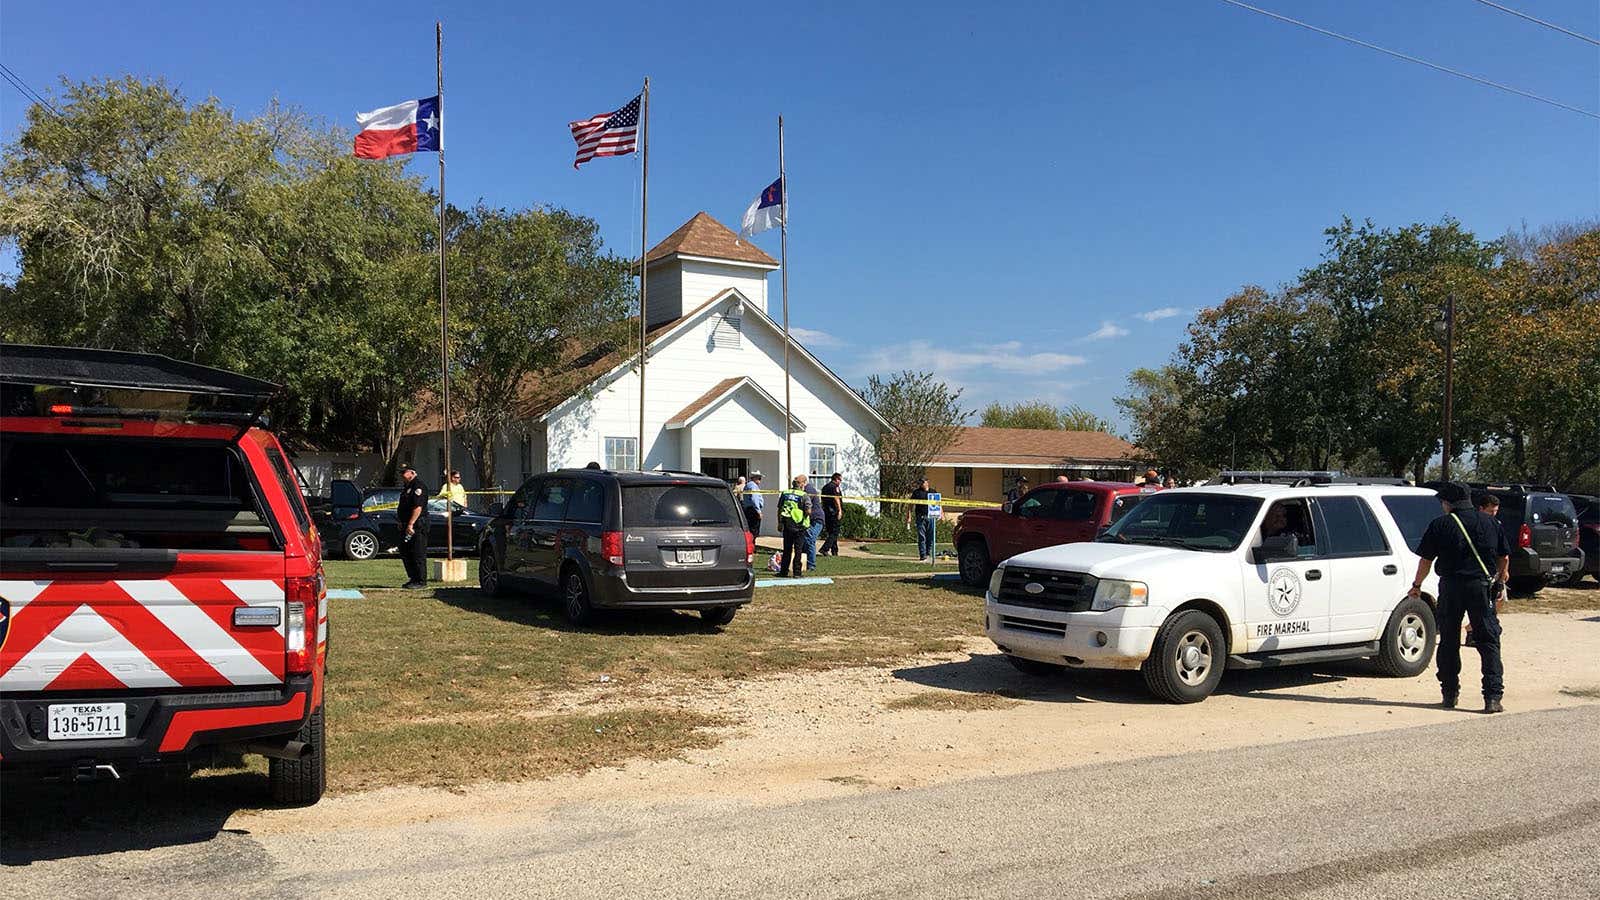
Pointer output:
x,y
1277,548
1006,507
497,508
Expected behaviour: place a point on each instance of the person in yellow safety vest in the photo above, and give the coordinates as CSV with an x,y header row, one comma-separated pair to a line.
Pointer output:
x,y
452,488
794,520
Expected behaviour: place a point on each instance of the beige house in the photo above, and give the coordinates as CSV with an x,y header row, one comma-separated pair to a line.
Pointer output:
x,y
985,463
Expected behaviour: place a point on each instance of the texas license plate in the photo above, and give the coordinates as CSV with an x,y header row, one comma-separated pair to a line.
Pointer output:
x,y
691,556
87,721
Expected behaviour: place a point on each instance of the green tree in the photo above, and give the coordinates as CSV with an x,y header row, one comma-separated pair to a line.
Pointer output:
x,y
1040,414
1168,427
529,290
926,415
1384,289
145,222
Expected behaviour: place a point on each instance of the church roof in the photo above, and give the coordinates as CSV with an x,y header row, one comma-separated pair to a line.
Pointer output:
x,y
721,389
705,236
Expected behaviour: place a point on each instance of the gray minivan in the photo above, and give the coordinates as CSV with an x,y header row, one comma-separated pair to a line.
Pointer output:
x,y
622,540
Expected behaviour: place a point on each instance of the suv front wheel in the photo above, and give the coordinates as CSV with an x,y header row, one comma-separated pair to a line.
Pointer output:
x,y
1185,664
1408,640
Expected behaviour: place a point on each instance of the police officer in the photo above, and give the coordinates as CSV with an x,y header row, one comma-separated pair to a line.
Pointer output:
x,y
412,516
1474,560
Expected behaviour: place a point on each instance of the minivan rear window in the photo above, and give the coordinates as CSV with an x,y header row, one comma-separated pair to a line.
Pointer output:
x,y
684,505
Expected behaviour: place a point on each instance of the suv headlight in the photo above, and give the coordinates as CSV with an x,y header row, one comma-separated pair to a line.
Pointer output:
x,y
1112,593
995,578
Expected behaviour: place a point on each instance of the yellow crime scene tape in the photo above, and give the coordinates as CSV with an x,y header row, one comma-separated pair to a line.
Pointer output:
x,y
858,498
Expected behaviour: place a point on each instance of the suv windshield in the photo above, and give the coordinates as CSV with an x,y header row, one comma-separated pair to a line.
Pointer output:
x,y
1215,522
653,505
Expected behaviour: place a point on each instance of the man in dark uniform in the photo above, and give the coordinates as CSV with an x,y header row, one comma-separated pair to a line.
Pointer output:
x,y
1474,560
412,516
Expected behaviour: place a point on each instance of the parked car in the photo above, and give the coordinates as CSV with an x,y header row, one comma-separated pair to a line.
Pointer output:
x,y
1050,514
1541,525
1588,535
622,540
362,525
1193,581
161,589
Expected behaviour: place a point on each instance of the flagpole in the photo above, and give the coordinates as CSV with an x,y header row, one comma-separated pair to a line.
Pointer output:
x,y
644,247
444,307
783,268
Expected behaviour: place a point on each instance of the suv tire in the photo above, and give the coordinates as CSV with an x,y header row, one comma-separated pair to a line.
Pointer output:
x,y
360,545
300,782
974,561
575,597
1408,640
1186,662
718,616
489,580
1034,667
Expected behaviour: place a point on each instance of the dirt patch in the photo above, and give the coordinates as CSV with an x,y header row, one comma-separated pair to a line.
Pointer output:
x,y
948,701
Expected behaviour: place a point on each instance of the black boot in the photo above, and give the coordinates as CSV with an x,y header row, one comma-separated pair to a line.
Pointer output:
x,y
1449,701
1492,705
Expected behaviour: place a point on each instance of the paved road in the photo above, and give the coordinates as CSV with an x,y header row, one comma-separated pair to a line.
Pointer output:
x,y
1504,806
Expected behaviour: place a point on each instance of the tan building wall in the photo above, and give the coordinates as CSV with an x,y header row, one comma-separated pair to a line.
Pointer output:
x,y
988,484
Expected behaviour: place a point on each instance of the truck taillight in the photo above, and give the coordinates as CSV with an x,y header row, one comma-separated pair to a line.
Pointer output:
x,y
303,596
749,548
611,547
1525,536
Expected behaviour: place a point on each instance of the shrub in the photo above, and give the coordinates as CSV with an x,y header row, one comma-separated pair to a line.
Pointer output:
x,y
860,524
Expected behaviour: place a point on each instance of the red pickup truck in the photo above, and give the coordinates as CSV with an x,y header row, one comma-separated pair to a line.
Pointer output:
x,y
161,585
1050,514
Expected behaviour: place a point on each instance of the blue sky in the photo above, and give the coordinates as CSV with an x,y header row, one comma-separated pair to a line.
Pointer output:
x,y
1030,199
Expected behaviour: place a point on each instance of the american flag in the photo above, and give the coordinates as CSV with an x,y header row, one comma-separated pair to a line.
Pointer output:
x,y
607,134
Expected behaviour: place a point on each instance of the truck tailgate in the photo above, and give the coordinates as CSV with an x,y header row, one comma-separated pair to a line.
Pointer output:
x,y
81,631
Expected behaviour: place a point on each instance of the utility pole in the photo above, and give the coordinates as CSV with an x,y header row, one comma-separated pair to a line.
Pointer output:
x,y
1449,378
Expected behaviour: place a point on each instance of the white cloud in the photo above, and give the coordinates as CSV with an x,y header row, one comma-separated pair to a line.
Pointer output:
x,y
1106,330
1007,358
812,337
1155,315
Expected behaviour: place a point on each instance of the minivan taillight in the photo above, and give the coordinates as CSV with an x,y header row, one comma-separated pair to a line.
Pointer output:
x,y
303,596
611,547
749,548
1525,536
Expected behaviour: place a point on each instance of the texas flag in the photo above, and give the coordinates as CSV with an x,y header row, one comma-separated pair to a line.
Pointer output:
x,y
407,127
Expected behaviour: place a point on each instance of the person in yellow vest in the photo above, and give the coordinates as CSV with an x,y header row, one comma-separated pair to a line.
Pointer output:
x,y
452,488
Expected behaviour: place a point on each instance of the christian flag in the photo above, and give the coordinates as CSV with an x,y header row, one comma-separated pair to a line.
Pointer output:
x,y
409,127
767,212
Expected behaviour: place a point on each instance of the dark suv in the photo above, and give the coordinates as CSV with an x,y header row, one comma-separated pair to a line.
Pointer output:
x,y
611,540
1542,526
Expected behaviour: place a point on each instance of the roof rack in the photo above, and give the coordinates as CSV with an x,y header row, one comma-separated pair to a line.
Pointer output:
x,y
1307,478
1511,487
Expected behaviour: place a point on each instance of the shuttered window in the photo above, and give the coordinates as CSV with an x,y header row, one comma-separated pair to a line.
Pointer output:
x,y
727,331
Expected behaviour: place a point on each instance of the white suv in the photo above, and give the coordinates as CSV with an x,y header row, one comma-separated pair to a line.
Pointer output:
x,y
1196,580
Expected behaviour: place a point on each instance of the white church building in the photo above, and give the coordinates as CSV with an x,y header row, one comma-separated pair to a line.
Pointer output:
x,y
714,388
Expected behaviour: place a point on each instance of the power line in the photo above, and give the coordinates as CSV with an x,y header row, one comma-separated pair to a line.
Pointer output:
x,y
1421,62
16,81
1522,15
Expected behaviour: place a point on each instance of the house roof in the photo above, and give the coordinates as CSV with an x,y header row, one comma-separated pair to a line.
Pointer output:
x,y
1033,447
539,397
695,410
705,236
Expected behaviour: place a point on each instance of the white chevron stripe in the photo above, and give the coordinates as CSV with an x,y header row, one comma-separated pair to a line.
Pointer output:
x,y
259,593
53,655
21,593
205,637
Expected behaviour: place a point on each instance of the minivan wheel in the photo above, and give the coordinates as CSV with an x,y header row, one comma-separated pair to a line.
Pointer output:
x,y
974,563
360,545
1185,664
1408,640
575,598
718,616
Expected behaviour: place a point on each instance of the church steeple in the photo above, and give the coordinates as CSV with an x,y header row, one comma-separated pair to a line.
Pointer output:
x,y
700,260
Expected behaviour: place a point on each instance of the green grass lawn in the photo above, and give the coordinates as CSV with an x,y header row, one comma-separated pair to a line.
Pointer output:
x,y
447,686
376,574
906,550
